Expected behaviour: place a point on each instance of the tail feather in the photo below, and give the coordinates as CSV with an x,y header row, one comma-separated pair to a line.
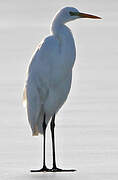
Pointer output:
x,y
35,131
35,112
34,109
38,128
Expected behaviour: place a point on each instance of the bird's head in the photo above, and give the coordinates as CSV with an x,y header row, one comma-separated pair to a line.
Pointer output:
x,y
69,14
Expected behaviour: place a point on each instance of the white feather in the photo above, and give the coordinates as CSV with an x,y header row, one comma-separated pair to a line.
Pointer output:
x,y
50,74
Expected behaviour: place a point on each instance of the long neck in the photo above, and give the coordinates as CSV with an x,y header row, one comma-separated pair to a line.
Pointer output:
x,y
66,41
58,25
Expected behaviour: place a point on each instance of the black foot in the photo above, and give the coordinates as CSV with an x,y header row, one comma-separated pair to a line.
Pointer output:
x,y
44,169
61,170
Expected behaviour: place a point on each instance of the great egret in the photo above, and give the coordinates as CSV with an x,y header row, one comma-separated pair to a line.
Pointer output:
x,y
49,77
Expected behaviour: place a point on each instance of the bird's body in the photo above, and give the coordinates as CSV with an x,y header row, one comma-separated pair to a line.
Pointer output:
x,y
49,77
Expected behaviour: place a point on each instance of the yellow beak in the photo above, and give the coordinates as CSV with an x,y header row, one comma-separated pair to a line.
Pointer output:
x,y
83,15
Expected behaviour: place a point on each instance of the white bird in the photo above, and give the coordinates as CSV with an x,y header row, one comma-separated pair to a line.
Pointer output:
x,y
49,77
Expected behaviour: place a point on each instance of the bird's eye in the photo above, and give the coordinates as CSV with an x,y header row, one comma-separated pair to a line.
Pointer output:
x,y
71,13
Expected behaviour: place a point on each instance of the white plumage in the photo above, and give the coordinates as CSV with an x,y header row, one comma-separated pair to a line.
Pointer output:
x,y
50,71
49,79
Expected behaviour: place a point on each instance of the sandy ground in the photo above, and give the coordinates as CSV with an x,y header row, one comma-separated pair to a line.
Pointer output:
x,y
87,125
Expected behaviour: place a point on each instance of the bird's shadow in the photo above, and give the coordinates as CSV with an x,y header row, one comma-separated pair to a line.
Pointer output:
x,y
50,176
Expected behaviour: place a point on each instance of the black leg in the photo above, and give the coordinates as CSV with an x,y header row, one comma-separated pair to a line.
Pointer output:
x,y
44,168
44,130
54,168
52,126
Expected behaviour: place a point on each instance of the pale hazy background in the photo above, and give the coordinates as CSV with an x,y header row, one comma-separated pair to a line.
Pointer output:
x,y
87,125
